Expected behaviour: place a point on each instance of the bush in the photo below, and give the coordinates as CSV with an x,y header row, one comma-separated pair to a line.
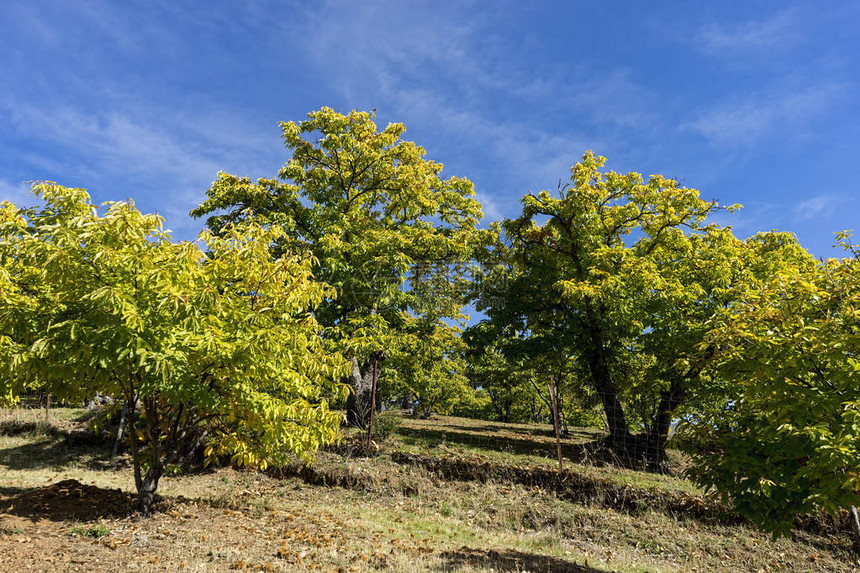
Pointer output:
x,y
385,424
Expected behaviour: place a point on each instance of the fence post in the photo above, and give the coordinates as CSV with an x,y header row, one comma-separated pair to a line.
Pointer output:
x,y
553,389
372,402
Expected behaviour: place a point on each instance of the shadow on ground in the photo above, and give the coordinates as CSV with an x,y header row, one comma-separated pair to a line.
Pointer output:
x,y
507,444
69,500
52,451
593,452
510,560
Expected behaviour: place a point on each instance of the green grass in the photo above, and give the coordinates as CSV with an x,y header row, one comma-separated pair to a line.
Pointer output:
x,y
94,531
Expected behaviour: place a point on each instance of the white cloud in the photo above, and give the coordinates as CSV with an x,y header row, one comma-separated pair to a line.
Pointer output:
x,y
746,122
817,207
17,193
114,140
777,30
165,162
463,80
490,207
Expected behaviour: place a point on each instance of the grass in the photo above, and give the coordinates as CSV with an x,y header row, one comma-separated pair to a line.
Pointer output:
x,y
355,512
94,531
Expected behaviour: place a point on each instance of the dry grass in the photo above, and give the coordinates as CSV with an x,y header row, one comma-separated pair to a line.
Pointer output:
x,y
389,516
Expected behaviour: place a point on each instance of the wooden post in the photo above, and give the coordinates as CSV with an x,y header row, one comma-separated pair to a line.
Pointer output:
x,y
47,407
372,402
556,421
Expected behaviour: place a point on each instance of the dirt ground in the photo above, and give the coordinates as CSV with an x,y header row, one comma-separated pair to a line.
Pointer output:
x,y
429,503
69,526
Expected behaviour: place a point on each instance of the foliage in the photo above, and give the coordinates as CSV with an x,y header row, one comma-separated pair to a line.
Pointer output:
x,y
515,377
205,345
786,440
609,282
385,424
427,362
390,234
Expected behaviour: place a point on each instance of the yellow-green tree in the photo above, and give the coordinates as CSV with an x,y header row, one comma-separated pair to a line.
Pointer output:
x,y
213,345
787,437
617,275
390,234
428,364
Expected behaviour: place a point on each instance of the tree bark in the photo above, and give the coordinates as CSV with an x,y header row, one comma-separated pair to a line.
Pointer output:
x,y
556,416
855,526
598,366
619,432
407,402
359,402
123,418
654,445
146,490
373,403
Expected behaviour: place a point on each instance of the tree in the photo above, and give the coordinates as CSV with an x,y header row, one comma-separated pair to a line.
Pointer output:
x,y
214,347
515,373
427,363
787,437
618,275
390,234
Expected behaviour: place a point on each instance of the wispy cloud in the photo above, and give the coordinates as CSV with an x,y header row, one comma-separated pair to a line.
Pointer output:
x,y
490,207
463,81
166,163
776,30
17,193
746,122
817,207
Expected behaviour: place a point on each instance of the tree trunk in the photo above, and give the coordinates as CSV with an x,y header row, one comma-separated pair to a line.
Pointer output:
x,y
360,379
556,416
615,418
407,402
501,408
619,433
656,438
373,402
855,527
507,415
123,418
146,490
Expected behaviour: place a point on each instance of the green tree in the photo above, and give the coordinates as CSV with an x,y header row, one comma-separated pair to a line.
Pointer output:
x,y
618,275
214,345
514,370
390,234
787,437
427,363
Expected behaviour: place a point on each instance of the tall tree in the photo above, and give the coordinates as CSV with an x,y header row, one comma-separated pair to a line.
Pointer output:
x,y
617,274
216,348
390,234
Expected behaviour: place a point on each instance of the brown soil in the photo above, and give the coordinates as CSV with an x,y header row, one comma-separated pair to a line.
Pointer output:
x,y
69,500
396,511
53,529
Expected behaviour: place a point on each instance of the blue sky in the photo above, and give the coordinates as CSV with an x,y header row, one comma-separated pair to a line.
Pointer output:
x,y
752,103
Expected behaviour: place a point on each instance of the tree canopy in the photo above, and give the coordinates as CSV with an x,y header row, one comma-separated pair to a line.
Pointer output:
x,y
785,440
390,234
619,292
616,273
213,345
